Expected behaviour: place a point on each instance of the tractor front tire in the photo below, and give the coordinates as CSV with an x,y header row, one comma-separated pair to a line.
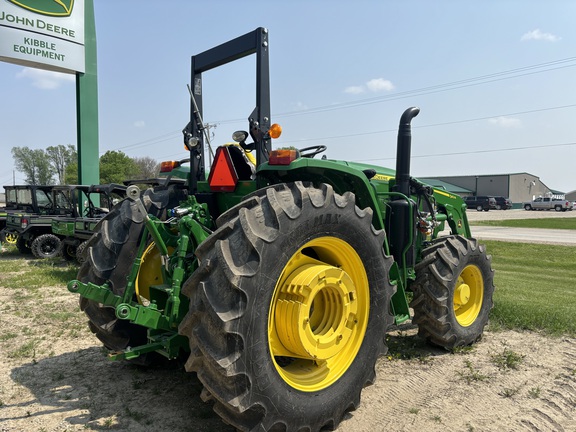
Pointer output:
x,y
109,255
289,309
46,246
453,292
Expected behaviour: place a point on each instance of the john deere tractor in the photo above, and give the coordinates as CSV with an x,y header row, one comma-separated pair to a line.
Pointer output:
x,y
274,275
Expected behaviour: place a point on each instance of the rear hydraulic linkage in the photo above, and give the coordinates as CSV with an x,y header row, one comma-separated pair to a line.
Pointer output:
x,y
161,310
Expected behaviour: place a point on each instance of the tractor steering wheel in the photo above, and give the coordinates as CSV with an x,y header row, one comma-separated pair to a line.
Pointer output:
x,y
312,151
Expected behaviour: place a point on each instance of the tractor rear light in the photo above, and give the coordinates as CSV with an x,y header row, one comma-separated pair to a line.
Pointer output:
x,y
282,157
275,131
24,223
168,166
223,176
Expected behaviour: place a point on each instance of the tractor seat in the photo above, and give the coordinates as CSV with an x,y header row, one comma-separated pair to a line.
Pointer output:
x,y
245,169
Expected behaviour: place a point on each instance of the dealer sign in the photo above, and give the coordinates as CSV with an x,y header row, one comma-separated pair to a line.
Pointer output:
x,y
45,34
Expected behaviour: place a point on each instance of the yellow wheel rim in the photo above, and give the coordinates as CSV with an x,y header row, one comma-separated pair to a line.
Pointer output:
x,y
318,314
11,238
468,295
150,272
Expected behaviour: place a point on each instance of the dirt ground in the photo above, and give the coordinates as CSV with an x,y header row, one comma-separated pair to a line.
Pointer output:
x,y
54,376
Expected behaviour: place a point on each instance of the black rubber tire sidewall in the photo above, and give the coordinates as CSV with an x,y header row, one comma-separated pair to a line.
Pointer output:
x,y
80,252
110,254
248,333
436,277
46,246
22,245
69,252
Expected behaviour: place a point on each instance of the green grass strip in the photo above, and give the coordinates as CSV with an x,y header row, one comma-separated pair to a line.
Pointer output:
x,y
535,286
23,271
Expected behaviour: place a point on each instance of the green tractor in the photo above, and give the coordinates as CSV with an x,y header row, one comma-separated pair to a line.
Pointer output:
x,y
276,275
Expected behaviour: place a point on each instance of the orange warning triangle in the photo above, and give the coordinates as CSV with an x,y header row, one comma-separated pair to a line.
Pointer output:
x,y
223,177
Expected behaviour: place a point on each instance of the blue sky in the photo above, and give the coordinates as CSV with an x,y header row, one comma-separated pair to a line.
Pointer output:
x,y
494,81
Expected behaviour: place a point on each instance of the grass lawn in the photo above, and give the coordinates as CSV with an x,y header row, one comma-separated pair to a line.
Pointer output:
x,y
535,286
23,271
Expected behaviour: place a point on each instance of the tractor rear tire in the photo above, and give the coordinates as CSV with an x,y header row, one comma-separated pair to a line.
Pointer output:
x,y
453,292
46,246
289,309
109,255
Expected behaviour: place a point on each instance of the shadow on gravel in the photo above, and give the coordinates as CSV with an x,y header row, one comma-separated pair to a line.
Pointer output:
x,y
90,390
405,344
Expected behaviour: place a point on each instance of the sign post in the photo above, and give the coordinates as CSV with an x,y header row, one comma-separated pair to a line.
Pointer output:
x,y
87,105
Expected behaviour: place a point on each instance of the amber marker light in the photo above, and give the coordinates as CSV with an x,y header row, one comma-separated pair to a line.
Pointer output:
x,y
282,157
275,131
168,166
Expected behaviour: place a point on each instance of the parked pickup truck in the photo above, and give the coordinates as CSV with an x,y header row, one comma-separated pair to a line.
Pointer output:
x,y
543,203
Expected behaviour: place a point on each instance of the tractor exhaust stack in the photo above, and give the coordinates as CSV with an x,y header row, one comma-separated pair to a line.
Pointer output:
x,y
400,219
403,151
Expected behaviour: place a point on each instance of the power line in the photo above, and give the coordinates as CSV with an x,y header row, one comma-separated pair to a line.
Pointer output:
x,y
165,137
468,82
476,151
517,113
433,124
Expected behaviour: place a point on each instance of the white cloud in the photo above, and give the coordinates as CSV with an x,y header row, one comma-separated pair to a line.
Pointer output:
x,y
379,84
374,85
354,89
506,122
44,79
300,106
139,123
540,35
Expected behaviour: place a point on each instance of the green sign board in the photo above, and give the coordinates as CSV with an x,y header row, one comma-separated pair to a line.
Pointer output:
x,y
43,34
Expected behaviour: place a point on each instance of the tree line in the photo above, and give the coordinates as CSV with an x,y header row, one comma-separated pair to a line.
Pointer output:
x,y
59,165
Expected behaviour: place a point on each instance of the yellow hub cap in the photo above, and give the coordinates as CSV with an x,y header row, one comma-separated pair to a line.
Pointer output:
x,y
11,238
319,314
468,295
150,272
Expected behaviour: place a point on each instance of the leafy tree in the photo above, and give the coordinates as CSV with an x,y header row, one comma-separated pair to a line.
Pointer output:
x,y
71,173
34,164
115,167
60,157
148,167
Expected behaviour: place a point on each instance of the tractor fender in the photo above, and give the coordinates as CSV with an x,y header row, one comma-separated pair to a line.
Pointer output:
x,y
342,176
